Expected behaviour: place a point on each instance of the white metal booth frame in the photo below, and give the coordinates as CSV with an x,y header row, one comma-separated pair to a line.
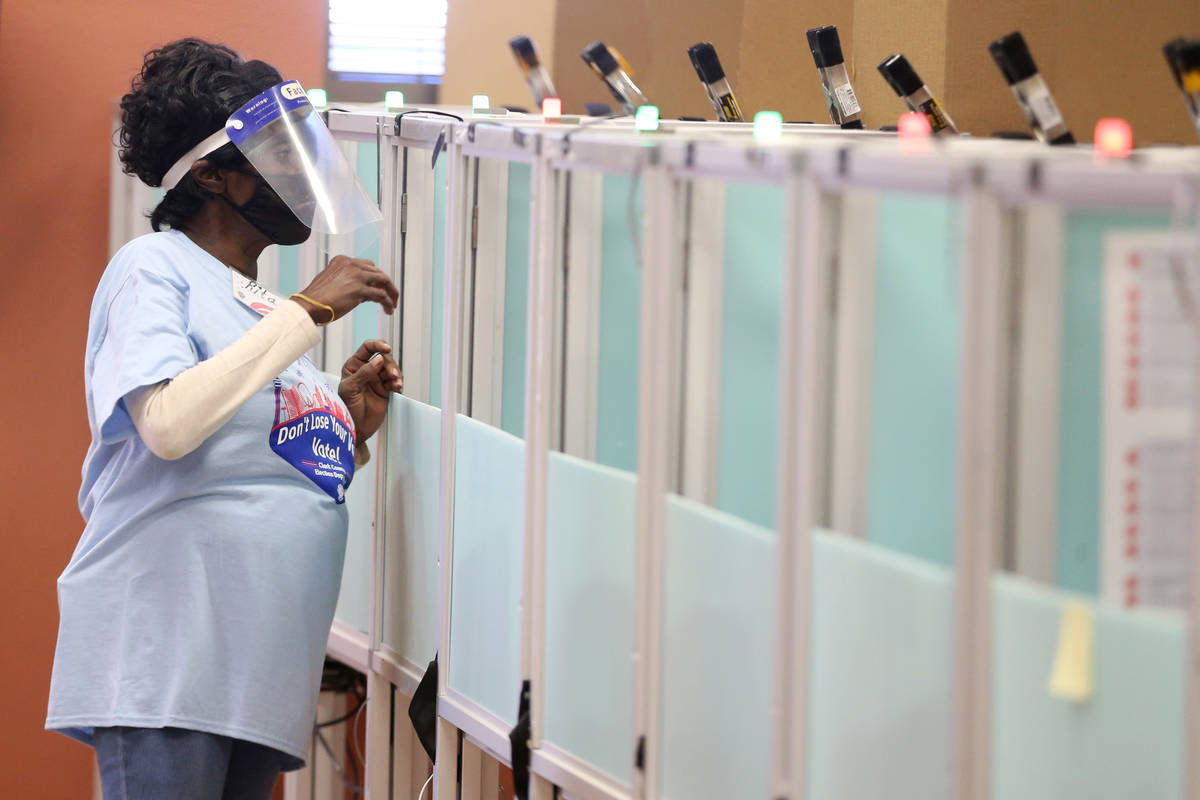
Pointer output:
x,y
1007,193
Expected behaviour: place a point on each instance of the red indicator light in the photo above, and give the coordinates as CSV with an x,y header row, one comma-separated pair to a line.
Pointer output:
x,y
1114,138
913,132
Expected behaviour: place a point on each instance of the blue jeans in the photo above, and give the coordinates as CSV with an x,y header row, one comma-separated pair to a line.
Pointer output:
x,y
179,764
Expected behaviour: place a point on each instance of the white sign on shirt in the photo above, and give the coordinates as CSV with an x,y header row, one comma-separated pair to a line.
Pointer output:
x,y
253,294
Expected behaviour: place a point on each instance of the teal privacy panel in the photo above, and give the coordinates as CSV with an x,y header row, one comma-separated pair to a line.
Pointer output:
x,y
915,376
590,546
881,680
410,578
485,594
755,227
366,164
620,310
441,176
1078,554
718,655
354,596
366,241
880,686
366,324
1126,742
516,291
289,271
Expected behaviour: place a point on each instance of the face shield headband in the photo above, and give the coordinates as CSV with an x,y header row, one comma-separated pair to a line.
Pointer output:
x,y
289,145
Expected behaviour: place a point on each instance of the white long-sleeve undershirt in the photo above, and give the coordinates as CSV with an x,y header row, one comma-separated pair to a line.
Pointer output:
x,y
174,417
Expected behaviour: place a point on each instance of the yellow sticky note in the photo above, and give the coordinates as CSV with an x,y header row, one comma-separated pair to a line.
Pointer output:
x,y
1073,675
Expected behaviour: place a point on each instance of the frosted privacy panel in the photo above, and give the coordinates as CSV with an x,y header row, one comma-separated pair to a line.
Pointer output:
x,y
590,546
880,688
366,164
516,290
362,323
915,375
1077,561
410,586
753,282
354,598
718,655
441,187
289,271
620,309
1126,742
485,594
366,241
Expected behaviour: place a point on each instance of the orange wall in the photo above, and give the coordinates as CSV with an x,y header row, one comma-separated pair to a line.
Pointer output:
x,y
477,34
61,66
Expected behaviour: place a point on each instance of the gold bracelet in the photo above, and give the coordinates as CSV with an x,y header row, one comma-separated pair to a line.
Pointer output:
x,y
307,299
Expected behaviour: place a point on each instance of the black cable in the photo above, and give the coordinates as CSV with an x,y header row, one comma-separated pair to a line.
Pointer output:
x,y
337,766
591,121
338,678
400,117
362,701
351,767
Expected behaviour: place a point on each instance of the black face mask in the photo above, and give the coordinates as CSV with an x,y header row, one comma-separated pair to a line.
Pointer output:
x,y
271,216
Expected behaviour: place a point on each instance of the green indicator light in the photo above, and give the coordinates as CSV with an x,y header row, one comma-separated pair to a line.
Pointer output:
x,y
480,102
646,118
318,97
393,99
768,125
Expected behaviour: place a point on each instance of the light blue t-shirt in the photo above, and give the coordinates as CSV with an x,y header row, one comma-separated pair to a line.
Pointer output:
x,y
202,591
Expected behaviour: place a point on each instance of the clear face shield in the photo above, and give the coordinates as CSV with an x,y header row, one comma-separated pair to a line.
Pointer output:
x,y
285,139
288,144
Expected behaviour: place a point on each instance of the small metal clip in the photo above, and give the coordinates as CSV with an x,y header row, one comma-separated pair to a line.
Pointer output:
x,y
439,146
978,176
1037,177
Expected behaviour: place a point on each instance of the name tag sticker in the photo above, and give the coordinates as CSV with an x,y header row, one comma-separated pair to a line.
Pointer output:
x,y
253,294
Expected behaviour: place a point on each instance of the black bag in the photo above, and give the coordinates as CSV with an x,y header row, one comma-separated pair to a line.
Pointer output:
x,y
422,710
518,739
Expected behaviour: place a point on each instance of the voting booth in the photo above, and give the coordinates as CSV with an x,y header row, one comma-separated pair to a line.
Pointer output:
x,y
807,467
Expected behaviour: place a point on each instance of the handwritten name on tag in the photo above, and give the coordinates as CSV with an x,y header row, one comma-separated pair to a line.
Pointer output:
x,y
253,294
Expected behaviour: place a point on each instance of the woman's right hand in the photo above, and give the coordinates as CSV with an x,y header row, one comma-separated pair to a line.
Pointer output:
x,y
344,284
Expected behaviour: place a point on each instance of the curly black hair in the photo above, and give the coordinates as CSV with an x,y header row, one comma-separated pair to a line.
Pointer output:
x,y
186,90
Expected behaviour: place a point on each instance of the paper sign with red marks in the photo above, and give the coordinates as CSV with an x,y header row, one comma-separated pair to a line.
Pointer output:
x,y
1149,405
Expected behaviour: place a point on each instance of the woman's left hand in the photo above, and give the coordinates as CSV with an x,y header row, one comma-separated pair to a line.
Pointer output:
x,y
368,378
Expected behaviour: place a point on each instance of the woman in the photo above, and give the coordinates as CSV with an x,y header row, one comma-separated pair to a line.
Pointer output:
x,y
195,609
